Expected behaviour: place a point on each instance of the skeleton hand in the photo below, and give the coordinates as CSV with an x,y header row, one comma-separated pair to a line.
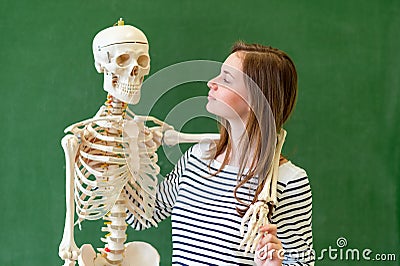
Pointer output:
x,y
258,212
157,133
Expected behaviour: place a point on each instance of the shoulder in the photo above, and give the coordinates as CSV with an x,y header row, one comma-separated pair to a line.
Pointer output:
x,y
289,173
197,152
293,191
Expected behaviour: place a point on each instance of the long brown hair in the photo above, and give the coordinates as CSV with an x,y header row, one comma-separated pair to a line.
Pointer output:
x,y
273,73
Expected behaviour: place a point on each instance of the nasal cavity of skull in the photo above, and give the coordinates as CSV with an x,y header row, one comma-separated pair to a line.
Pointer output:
x,y
134,71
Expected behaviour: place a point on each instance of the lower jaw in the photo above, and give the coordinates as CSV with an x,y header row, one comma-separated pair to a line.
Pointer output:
x,y
130,98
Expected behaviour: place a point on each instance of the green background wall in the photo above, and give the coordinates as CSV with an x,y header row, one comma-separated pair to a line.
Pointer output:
x,y
344,131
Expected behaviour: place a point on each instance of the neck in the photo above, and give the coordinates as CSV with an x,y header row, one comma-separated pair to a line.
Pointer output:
x,y
237,130
115,106
238,127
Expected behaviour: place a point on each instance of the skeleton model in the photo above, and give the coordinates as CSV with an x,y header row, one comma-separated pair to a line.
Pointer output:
x,y
111,157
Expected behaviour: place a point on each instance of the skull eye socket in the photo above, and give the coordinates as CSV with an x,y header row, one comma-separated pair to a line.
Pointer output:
x,y
123,60
143,60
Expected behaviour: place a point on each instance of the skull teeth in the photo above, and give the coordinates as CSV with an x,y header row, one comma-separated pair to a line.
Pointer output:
x,y
126,88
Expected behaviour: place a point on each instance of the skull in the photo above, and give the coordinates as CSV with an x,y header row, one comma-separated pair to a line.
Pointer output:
x,y
122,54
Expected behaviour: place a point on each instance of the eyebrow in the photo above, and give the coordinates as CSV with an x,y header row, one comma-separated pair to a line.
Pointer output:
x,y
228,73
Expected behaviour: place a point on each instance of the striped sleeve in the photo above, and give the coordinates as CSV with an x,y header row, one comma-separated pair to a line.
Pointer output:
x,y
167,192
293,217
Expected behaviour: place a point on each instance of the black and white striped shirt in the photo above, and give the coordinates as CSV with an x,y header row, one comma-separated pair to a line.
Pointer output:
x,y
205,224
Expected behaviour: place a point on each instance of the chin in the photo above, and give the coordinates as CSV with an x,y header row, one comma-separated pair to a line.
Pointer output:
x,y
210,109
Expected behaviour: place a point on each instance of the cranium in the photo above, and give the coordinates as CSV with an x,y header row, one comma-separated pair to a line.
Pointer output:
x,y
122,54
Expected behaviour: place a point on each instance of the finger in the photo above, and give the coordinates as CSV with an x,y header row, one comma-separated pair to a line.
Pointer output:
x,y
269,228
269,238
262,253
256,243
269,251
245,218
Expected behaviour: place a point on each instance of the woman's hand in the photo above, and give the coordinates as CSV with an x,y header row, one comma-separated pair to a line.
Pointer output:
x,y
269,250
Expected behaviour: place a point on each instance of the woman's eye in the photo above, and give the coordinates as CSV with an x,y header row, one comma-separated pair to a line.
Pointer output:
x,y
226,81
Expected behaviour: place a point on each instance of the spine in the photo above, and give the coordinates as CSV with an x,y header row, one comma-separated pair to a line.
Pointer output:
x,y
115,224
115,238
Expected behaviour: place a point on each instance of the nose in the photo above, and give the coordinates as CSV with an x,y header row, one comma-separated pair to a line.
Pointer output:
x,y
134,71
212,85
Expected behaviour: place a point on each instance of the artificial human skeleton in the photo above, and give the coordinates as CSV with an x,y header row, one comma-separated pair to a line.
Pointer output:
x,y
113,154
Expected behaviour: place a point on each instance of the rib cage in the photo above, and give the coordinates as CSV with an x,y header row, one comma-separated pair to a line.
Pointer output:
x,y
107,163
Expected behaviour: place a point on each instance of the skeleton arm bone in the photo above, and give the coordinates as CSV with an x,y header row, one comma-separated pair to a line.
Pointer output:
x,y
275,164
68,251
171,137
260,210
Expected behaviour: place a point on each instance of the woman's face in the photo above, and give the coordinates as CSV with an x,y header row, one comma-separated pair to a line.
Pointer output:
x,y
228,95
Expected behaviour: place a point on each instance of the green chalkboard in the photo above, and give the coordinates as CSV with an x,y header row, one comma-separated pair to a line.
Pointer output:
x,y
344,130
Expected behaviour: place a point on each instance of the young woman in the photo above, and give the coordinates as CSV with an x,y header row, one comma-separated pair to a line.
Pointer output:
x,y
212,186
